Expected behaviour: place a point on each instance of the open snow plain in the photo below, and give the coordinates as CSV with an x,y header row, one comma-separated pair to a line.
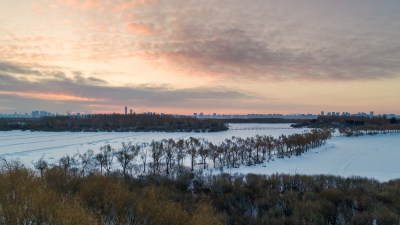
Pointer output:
x,y
367,156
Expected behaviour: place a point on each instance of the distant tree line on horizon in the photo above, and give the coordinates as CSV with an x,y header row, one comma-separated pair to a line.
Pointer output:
x,y
262,120
354,125
114,122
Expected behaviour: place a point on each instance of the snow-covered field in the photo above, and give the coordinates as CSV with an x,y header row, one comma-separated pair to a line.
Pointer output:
x,y
368,156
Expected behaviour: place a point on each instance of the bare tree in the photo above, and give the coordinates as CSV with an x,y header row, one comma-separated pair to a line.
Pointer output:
x,y
180,152
86,160
144,153
100,161
41,165
213,152
192,147
126,155
204,152
157,151
168,150
105,158
66,162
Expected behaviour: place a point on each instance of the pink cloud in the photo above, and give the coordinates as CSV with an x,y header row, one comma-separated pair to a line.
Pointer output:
x,y
50,96
141,28
116,5
127,5
84,4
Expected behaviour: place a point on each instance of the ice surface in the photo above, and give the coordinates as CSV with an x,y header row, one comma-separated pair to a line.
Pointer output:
x,y
29,146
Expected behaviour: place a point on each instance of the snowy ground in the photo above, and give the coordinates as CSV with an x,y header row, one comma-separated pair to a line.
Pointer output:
x,y
30,146
368,156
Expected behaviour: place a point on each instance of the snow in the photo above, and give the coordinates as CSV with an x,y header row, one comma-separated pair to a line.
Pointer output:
x,y
367,156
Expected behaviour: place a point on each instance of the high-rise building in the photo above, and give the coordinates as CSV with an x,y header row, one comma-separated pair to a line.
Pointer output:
x,y
126,110
130,111
371,114
35,114
322,113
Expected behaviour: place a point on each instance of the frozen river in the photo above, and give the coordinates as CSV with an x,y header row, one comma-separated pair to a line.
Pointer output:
x,y
29,146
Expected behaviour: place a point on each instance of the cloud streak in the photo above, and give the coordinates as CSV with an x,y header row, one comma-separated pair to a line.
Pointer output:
x,y
60,88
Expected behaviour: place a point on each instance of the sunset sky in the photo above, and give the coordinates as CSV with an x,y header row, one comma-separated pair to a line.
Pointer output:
x,y
183,56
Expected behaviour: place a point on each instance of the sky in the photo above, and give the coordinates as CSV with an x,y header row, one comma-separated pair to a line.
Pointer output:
x,y
210,56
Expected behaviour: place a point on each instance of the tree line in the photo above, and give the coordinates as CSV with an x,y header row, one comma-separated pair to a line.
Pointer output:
x,y
369,130
170,157
262,120
60,196
114,122
354,125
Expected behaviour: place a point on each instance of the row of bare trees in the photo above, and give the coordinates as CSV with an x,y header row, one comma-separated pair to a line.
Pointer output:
x,y
169,156
370,129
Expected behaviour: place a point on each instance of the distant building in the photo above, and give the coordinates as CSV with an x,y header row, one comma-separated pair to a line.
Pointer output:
x,y
322,113
126,110
44,113
130,111
195,114
35,114
371,114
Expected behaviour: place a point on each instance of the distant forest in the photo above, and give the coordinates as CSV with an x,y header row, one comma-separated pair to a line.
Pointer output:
x,y
114,122
354,125
263,120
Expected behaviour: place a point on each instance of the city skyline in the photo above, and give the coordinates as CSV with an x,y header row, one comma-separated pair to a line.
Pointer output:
x,y
43,113
180,57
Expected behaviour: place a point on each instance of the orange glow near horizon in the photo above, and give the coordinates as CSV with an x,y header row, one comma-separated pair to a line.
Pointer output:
x,y
51,96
